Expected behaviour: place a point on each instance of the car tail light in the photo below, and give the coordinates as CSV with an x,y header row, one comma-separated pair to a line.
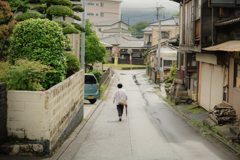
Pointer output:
x,y
98,86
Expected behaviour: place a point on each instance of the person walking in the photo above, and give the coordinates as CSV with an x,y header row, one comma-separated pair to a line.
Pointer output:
x,y
120,94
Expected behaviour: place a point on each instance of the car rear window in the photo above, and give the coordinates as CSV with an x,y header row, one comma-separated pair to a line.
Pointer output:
x,y
89,79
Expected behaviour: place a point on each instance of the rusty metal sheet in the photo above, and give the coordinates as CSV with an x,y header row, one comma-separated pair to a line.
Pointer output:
x,y
230,46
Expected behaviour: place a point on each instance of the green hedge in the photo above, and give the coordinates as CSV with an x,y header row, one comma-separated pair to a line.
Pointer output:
x,y
64,24
73,64
70,30
60,11
62,2
40,8
79,27
40,40
25,16
78,9
76,17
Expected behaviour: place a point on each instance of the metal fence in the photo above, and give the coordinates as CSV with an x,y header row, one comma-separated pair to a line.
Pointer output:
x,y
3,112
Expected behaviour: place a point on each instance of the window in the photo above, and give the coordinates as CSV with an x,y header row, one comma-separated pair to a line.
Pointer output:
x,y
165,35
90,14
96,14
183,60
167,63
198,9
99,29
102,14
237,73
102,4
150,38
90,4
97,4
191,60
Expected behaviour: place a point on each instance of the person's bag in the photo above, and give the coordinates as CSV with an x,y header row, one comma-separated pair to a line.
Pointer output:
x,y
121,101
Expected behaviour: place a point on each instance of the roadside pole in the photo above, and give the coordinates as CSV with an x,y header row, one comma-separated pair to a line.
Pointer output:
x,y
159,44
130,58
83,38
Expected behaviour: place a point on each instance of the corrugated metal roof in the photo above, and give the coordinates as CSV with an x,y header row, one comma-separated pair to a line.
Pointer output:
x,y
230,46
169,55
228,21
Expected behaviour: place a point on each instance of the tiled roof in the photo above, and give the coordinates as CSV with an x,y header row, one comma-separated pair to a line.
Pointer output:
x,y
117,39
109,23
116,30
133,44
148,29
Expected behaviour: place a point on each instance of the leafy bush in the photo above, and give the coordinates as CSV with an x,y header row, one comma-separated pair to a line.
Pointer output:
x,y
40,40
25,16
79,27
60,11
78,9
73,64
70,30
97,73
24,75
40,8
64,24
76,17
62,2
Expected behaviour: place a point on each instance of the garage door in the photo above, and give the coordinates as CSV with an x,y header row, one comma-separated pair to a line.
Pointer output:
x,y
205,85
217,85
211,92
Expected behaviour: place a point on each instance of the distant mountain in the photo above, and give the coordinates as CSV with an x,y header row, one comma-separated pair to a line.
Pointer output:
x,y
132,16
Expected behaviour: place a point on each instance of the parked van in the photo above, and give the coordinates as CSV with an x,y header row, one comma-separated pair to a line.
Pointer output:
x,y
91,88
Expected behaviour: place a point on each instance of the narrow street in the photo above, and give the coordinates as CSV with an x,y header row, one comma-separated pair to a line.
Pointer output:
x,y
151,131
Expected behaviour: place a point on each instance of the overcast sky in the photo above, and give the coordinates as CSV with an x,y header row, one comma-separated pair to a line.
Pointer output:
x,y
169,5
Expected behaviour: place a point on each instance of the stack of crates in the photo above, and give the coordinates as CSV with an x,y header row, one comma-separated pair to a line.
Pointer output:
x,y
3,112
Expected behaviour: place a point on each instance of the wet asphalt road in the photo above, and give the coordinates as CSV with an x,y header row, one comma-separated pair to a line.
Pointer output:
x,y
151,131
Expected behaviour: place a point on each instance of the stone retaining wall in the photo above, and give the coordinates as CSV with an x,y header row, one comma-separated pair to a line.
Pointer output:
x,y
47,116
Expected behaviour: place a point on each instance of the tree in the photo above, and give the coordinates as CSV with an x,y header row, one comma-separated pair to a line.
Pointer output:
x,y
138,27
7,23
94,50
53,9
177,14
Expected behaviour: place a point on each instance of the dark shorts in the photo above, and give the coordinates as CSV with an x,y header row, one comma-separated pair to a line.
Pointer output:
x,y
120,110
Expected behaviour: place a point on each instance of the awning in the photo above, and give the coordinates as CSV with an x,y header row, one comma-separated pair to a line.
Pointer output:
x,y
230,46
169,55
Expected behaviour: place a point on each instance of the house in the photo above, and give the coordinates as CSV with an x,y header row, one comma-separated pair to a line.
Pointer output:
x,y
108,28
169,29
102,10
168,57
209,51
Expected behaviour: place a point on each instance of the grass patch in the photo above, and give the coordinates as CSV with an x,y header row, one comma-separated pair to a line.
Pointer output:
x,y
195,122
193,108
215,129
169,101
84,119
197,110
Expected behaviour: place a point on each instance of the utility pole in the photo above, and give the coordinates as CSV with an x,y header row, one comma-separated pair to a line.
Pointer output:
x,y
83,37
159,44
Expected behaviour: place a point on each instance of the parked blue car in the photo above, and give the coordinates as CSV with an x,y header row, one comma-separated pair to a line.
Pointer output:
x,y
91,88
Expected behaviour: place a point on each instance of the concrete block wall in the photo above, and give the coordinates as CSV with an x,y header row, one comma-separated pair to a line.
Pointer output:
x,y
44,115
